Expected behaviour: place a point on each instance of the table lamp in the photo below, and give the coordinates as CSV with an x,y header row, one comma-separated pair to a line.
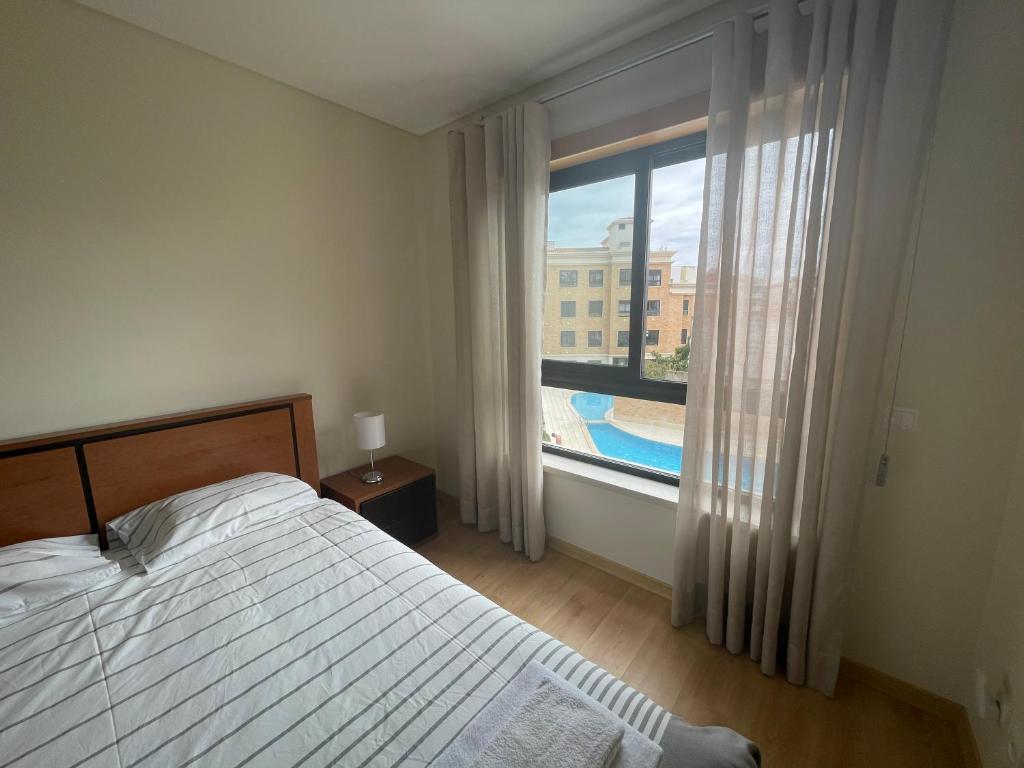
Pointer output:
x,y
369,436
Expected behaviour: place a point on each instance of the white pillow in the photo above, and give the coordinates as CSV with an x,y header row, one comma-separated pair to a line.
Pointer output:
x,y
36,573
173,529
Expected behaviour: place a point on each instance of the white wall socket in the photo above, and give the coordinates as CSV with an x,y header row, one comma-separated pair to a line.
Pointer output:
x,y
904,419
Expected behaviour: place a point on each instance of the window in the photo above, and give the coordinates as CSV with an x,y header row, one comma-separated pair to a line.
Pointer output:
x,y
649,201
686,306
684,336
568,309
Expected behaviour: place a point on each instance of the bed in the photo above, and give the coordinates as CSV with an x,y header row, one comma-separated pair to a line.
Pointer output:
x,y
312,638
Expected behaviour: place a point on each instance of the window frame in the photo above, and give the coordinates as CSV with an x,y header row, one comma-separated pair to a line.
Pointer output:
x,y
563,305
627,380
590,307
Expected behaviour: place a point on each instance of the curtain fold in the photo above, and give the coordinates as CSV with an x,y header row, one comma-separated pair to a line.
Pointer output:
x,y
498,183
800,135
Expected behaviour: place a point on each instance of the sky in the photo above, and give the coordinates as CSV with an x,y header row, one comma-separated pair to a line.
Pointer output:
x,y
579,217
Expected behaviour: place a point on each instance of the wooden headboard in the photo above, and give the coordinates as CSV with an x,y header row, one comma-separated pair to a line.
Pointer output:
x,y
75,482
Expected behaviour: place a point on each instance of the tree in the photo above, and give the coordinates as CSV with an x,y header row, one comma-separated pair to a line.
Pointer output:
x,y
660,364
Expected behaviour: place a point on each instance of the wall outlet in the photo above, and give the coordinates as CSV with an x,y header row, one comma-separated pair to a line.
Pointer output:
x,y
904,419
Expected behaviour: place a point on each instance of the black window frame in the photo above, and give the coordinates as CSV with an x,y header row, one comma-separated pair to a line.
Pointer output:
x,y
628,308
626,272
619,337
563,304
656,304
648,341
655,271
627,380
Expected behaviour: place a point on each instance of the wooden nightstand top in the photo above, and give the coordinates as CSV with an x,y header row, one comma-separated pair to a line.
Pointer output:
x,y
352,491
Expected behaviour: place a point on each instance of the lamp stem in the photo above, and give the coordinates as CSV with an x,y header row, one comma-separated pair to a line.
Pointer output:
x,y
371,459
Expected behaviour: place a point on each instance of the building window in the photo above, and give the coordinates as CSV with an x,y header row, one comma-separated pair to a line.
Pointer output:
x,y
686,306
684,336
646,194
568,309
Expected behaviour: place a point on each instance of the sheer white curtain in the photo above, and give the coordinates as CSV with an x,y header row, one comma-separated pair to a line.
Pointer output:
x,y
782,387
498,182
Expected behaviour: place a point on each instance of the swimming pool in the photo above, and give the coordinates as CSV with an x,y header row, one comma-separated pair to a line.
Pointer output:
x,y
616,443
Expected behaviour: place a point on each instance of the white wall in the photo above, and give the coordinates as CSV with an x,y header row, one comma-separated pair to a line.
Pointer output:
x,y
927,539
177,232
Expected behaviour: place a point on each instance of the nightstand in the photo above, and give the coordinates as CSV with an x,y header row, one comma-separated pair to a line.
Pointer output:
x,y
403,505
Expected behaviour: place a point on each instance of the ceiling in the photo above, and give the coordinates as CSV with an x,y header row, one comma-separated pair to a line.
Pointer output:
x,y
416,64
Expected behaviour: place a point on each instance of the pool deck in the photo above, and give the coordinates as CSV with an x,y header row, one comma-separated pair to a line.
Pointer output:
x,y
662,433
560,418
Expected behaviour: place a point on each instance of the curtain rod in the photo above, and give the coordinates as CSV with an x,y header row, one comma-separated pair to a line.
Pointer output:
x,y
756,13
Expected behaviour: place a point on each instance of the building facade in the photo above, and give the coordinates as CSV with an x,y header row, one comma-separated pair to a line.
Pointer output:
x,y
587,300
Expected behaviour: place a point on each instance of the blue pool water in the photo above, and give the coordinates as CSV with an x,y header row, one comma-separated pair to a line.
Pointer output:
x,y
616,443
619,444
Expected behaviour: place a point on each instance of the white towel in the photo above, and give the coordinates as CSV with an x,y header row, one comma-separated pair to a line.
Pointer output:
x,y
554,729
636,750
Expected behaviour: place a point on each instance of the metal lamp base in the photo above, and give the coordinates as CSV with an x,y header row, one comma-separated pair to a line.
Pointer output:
x,y
373,476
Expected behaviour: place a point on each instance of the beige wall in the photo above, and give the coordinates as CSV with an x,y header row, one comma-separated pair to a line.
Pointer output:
x,y
177,232
928,539
1000,647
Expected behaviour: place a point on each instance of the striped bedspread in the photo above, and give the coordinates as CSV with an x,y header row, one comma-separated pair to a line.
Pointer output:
x,y
312,639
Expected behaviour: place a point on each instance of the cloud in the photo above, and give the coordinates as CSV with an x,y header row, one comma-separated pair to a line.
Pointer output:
x,y
579,217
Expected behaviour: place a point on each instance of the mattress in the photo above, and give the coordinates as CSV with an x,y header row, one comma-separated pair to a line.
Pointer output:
x,y
313,639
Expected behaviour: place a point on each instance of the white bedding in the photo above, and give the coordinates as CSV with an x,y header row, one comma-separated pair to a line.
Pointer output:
x,y
314,639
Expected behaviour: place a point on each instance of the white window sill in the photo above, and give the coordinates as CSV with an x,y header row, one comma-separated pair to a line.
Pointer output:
x,y
652,491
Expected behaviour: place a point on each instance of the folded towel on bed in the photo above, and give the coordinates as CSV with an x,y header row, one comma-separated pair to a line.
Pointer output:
x,y
554,729
635,751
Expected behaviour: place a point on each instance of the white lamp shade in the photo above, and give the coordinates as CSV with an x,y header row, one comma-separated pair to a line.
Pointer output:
x,y
369,430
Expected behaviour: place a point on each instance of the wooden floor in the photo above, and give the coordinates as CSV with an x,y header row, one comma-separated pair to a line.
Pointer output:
x,y
626,630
